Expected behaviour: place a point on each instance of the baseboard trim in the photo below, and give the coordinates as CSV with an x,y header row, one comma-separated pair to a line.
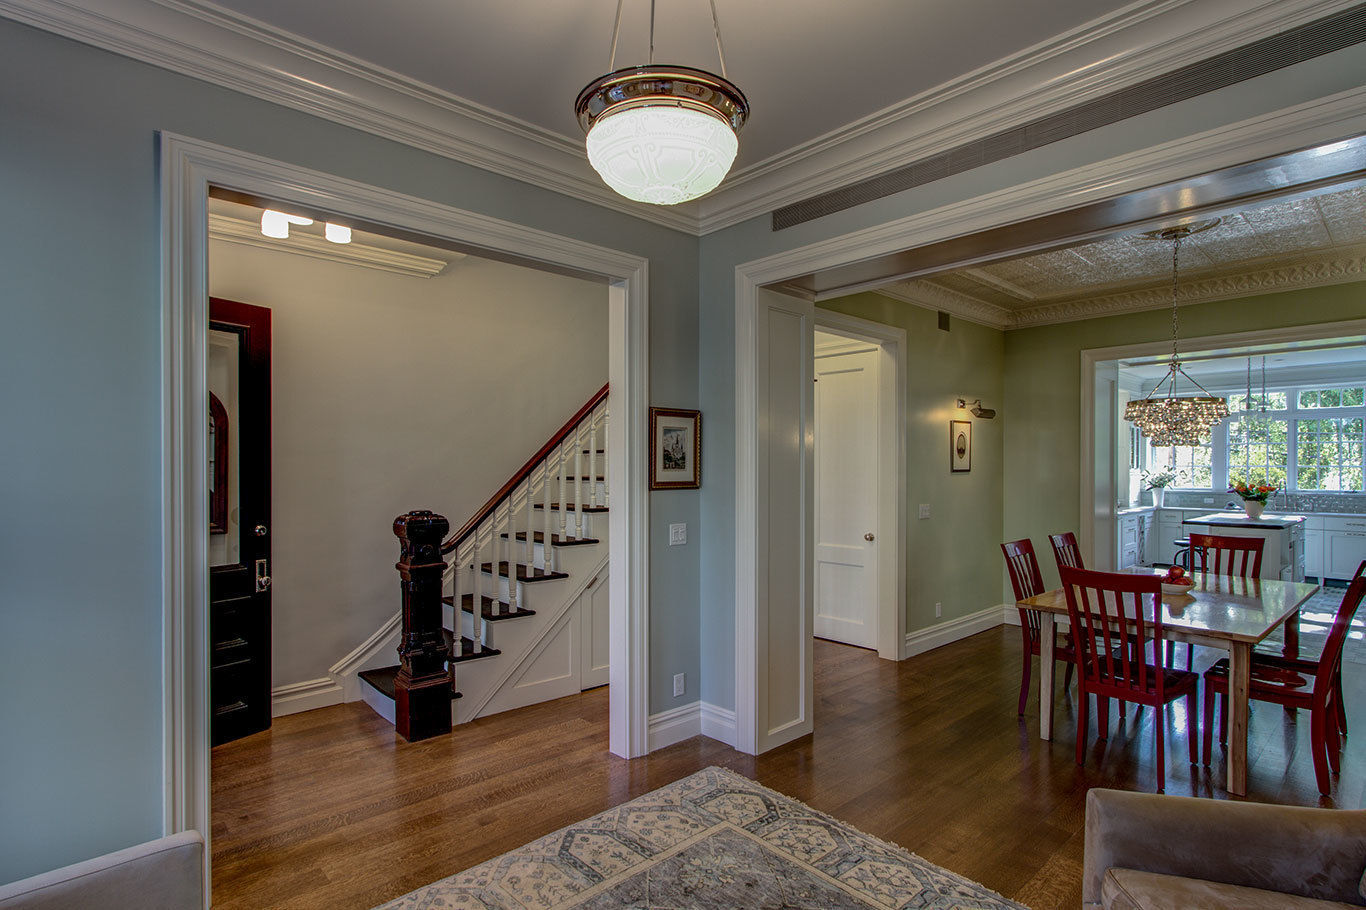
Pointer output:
x,y
945,633
718,724
675,725
305,696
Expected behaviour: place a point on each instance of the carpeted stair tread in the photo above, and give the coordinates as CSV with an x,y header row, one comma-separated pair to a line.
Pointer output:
x,y
487,604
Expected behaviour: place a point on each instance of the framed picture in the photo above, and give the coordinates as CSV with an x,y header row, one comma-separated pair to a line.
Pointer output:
x,y
960,446
675,449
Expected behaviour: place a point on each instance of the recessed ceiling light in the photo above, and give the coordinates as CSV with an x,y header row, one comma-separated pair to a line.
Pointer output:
x,y
276,224
337,233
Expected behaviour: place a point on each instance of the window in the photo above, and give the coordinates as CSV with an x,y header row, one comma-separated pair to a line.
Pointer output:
x,y
1305,439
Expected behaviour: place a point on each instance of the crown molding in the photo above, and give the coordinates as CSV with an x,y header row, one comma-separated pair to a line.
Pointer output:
x,y
933,296
248,233
198,39
1099,57
1289,277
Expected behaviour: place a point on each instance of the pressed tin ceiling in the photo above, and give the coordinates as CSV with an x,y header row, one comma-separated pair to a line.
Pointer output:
x,y
809,67
1300,242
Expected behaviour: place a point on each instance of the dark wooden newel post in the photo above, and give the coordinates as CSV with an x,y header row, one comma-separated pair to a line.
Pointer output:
x,y
422,691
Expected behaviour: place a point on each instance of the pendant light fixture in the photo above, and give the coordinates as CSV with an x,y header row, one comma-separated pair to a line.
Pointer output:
x,y
1175,420
662,134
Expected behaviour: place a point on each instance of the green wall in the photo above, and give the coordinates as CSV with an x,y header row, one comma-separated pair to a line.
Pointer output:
x,y
945,553
1043,392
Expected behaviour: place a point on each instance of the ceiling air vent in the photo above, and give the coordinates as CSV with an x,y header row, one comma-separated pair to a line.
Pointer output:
x,y
1306,42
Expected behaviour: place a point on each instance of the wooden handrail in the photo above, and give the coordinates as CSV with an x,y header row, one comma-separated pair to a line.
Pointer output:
x,y
523,472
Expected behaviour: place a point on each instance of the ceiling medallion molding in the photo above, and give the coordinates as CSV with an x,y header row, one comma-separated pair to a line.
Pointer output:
x,y
202,41
248,233
931,296
1110,53
1290,277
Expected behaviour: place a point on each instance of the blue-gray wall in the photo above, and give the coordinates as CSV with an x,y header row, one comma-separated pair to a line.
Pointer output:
x,y
80,490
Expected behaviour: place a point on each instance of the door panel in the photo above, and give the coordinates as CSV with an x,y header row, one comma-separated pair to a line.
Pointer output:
x,y
846,409
239,573
595,641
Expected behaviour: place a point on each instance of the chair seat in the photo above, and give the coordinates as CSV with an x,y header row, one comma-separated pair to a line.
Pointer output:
x,y
1174,682
1129,889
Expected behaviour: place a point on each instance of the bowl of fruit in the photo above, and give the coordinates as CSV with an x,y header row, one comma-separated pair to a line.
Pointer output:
x,y
1176,581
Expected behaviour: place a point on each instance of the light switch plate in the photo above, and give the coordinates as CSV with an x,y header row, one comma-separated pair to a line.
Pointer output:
x,y
678,535
924,510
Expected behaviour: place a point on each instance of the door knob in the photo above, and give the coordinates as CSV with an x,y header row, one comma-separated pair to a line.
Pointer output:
x,y
868,536
260,530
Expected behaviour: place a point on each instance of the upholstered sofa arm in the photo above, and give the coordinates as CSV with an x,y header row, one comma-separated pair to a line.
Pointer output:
x,y
164,874
1317,853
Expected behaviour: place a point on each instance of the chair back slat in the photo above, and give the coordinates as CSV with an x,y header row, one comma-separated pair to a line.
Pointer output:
x,y
1235,557
1025,579
1066,551
1114,617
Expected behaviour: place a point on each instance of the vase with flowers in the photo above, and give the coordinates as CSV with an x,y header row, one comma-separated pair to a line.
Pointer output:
x,y
1254,496
1159,480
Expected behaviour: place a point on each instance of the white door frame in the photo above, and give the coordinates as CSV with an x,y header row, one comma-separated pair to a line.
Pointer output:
x,y
1301,126
188,168
1095,533
891,472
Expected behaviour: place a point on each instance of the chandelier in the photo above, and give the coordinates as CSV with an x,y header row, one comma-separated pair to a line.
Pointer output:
x,y
1176,420
662,134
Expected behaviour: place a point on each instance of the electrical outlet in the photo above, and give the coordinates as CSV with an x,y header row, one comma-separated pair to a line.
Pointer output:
x,y
680,683
924,510
678,535
1209,500
938,610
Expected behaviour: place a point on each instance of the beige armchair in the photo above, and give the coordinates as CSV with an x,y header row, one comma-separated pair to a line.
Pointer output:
x,y
1144,850
164,874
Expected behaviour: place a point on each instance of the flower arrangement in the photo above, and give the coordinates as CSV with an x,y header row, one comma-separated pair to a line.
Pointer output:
x,y
1161,478
1259,493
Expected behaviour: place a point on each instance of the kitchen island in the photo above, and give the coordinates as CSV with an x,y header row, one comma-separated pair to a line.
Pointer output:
x,y
1283,552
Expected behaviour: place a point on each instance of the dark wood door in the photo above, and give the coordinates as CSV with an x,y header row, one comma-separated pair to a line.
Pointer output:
x,y
239,527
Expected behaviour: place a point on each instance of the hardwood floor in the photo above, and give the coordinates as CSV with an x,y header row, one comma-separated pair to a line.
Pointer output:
x,y
326,809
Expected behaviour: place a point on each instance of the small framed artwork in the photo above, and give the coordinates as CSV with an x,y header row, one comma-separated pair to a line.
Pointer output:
x,y
960,446
675,449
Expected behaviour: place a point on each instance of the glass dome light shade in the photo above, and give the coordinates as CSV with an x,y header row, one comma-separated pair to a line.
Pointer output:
x,y
662,153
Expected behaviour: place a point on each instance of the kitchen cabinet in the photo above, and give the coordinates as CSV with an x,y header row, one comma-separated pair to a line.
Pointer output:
x,y
1343,551
1313,552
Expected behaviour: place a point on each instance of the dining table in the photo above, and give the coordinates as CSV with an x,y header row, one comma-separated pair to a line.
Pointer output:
x,y
1219,611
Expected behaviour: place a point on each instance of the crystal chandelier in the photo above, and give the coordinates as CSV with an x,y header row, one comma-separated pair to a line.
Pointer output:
x,y
1173,420
662,134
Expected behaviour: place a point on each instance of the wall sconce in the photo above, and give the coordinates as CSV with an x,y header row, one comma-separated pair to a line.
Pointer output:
x,y
976,409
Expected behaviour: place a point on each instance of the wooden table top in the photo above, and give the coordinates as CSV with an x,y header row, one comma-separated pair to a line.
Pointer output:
x,y
1218,607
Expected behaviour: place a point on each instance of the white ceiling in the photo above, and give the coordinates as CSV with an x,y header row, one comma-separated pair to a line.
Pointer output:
x,y
808,67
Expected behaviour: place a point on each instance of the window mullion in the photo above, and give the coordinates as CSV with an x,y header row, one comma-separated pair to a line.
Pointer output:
x,y
1219,456
1292,453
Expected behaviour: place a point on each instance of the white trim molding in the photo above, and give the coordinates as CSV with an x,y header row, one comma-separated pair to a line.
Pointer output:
x,y
363,255
696,718
188,169
718,724
1113,51
952,630
322,692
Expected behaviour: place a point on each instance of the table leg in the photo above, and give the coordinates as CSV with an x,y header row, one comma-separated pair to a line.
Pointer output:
x,y
1292,636
1239,676
1048,638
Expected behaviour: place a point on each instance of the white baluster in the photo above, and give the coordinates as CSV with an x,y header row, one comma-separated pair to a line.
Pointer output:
x,y
476,600
564,495
545,496
512,561
578,481
592,461
606,457
529,506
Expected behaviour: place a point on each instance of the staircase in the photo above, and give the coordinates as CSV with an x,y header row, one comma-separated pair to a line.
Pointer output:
x,y
523,559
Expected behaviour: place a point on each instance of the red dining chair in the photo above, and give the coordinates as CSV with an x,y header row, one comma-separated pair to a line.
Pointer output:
x,y
1310,665
1234,557
1312,685
1065,550
1023,566
1126,612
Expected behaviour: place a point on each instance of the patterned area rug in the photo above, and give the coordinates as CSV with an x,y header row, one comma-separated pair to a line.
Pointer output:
x,y
711,840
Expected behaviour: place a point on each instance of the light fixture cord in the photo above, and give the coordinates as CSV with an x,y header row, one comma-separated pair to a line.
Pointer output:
x,y
652,32
616,33
1176,251
716,27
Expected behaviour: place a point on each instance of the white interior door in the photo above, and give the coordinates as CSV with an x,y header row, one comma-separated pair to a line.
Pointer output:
x,y
846,495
